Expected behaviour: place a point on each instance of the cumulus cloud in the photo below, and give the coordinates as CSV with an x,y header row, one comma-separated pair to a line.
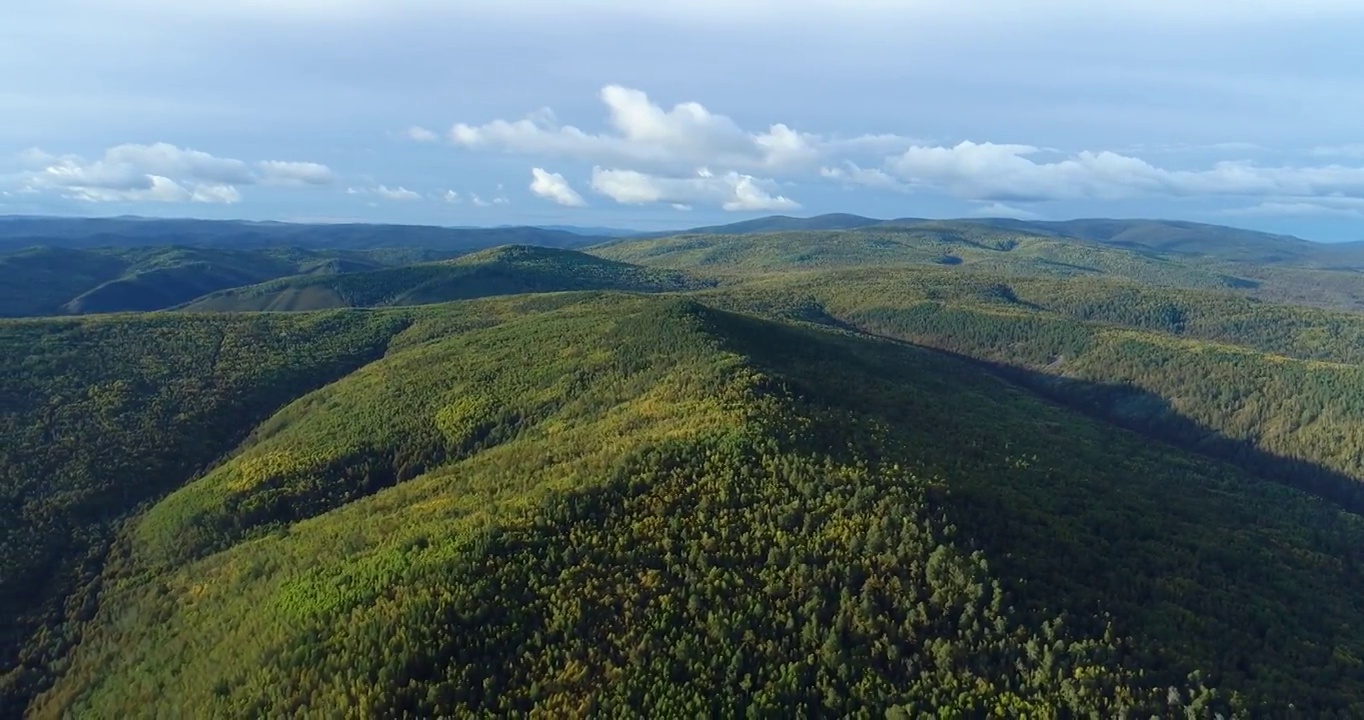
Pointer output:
x,y
398,193
1014,173
159,172
295,173
644,134
553,187
654,153
451,197
732,191
420,134
171,161
852,174
1002,210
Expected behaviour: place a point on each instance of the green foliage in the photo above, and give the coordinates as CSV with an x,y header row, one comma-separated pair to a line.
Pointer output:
x,y
59,281
98,416
1273,388
965,245
1170,255
595,503
630,505
498,271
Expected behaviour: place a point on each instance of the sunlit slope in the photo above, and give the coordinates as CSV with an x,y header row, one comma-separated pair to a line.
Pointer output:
x,y
1254,270
644,504
500,271
952,245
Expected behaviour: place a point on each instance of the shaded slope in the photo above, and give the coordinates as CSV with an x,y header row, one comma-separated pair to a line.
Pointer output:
x,y
680,511
39,281
1276,389
98,416
499,271
60,281
21,232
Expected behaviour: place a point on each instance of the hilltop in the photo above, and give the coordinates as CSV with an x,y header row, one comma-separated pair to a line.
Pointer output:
x,y
498,271
19,232
62,281
665,480
886,470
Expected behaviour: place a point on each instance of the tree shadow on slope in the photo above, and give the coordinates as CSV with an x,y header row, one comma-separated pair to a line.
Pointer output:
x,y
1240,579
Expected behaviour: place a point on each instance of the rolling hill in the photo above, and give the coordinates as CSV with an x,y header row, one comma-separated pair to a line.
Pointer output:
x,y
1169,237
1300,272
62,281
887,471
687,510
498,271
965,246
20,232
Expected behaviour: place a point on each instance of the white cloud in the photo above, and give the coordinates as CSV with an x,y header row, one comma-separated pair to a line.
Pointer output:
x,y
645,134
399,193
501,201
281,172
852,174
157,189
420,134
553,187
226,194
986,171
171,161
732,191
478,201
655,154
159,172
451,197
999,209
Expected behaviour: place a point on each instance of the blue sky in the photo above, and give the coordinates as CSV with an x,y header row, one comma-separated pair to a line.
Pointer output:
x,y
658,115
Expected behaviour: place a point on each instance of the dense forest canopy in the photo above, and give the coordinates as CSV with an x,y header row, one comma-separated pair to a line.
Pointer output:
x,y
824,466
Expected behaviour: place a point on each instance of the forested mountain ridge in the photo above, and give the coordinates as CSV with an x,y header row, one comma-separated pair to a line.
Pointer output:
x,y
497,271
1300,272
70,274
361,504
882,471
824,496
19,232
1273,388
60,281
1162,236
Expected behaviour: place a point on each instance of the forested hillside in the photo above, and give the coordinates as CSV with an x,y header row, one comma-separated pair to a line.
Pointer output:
x,y
99,416
690,511
1266,267
62,281
869,469
497,271
19,232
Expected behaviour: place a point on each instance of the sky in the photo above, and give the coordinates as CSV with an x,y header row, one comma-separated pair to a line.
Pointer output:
x,y
657,115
